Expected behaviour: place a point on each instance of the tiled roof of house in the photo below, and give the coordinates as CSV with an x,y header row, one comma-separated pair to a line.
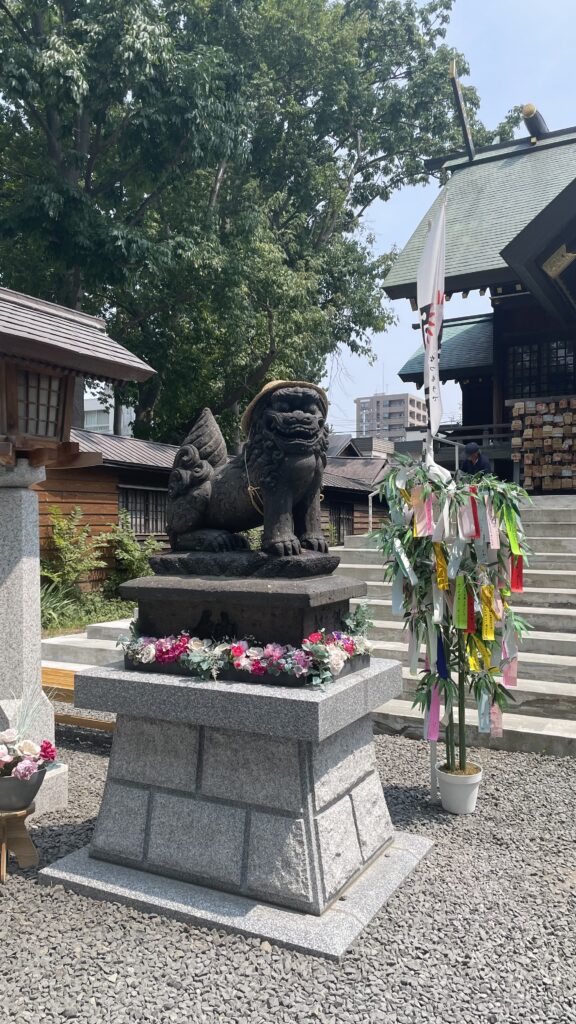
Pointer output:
x,y
488,202
125,451
356,474
466,345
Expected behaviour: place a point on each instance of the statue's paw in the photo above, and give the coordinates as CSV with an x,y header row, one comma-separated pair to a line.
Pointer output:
x,y
315,542
283,546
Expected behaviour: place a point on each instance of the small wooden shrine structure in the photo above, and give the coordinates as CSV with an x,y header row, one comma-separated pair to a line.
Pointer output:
x,y
44,348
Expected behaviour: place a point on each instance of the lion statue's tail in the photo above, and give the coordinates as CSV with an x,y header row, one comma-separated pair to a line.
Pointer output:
x,y
190,482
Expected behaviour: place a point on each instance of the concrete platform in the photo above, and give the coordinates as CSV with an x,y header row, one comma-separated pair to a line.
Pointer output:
x,y
329,935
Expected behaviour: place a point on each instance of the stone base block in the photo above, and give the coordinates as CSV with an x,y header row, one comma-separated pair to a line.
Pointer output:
x,y
53,793
329,935
272,611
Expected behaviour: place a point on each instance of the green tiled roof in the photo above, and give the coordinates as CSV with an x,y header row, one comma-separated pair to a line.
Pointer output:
x,y
489,201
466,345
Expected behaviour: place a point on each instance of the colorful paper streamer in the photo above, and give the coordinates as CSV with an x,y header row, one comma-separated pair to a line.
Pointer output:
x,y
441,567
511,530
460,613
516,574
484,713
488,618
495,721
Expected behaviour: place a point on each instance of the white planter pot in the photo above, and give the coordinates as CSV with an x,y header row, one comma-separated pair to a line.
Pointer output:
x,y
458,793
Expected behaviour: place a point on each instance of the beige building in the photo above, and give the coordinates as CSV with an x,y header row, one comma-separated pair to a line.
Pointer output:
x,y
389,416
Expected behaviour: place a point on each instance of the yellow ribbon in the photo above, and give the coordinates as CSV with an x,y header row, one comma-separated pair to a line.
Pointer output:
x,y
441,567
487,602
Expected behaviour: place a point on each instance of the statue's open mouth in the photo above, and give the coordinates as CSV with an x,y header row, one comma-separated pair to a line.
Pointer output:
x,y
296,431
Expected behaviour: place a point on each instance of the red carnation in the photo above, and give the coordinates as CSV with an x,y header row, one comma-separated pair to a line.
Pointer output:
x,y
47,751
315,638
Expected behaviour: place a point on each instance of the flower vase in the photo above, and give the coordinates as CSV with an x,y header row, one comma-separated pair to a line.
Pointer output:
x,y
18,794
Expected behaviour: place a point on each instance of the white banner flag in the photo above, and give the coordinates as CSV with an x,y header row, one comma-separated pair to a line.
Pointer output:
x,y
430,298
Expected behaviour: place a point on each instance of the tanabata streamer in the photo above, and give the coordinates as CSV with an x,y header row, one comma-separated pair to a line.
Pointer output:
x,y
466,524
511,530
458,549
441,568
510,673
442,667
471,617
398,594
404,561
460,614
493,531
495,720
516,574
437,603
487,601
474,507
484,713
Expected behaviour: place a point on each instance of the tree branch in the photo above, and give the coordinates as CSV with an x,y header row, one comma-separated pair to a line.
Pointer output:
x,y
257,375
19,28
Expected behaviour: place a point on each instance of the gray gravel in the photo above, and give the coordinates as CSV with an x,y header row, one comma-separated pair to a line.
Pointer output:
x,y
483,932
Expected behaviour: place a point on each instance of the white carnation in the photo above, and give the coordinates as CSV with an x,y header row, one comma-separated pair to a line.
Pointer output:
x,y
148,654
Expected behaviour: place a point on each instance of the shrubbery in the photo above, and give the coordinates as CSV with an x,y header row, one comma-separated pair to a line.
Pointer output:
x,y
73,557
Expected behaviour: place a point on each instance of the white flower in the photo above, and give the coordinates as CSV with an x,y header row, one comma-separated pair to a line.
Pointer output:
x,y
220,648
148,654
8,736
254,652
195,644
336,660
28,748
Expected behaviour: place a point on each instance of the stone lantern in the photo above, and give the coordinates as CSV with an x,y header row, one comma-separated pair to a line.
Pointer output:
x,y
44,348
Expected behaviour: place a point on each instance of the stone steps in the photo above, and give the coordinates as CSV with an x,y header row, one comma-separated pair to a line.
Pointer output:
x,y
537,697
553,667
108,630
542,716
556,736
535,642
80,649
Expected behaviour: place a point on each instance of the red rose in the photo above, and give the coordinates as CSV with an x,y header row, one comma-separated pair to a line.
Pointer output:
x,y
237,650
315,638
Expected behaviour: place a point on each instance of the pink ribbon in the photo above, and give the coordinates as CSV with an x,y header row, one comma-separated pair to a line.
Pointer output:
x,y
510,673
495,721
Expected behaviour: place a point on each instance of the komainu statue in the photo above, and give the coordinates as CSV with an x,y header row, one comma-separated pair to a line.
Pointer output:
x,y
276,480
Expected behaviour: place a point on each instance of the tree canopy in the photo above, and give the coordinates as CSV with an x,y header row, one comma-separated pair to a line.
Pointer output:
x,y
196,171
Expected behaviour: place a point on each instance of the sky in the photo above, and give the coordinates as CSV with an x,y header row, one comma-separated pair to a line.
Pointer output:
x,y
518,52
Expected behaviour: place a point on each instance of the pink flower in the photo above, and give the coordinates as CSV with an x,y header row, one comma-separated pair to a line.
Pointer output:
x,y
24,769
47,751
5,757
171,648
240,663
302,659
237,650
257,668
314,638
274,652
349,646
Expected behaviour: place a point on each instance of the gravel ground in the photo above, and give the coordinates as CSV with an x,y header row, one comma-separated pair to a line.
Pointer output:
x,y
483,932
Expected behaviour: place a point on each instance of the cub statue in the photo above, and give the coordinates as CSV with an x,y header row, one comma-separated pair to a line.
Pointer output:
x,y
275,480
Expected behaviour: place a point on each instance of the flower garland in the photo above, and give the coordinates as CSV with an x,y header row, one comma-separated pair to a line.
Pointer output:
x,y
318,661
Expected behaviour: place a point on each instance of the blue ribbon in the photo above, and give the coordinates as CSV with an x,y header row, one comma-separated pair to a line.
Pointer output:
x,y
441,666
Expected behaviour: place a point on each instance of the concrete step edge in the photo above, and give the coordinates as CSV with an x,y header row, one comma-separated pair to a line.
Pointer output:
x,y
561,727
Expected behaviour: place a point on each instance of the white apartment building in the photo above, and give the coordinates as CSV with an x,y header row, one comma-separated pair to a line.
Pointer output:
x,y
389,416
101,420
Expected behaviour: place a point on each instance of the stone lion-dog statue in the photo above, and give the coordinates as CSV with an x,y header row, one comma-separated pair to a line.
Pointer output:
x,y
275,480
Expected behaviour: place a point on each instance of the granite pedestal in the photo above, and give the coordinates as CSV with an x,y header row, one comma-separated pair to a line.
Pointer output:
x,y
282,611
259,802
21,695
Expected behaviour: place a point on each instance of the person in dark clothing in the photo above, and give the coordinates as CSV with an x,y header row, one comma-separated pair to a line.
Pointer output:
x,y
475,462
